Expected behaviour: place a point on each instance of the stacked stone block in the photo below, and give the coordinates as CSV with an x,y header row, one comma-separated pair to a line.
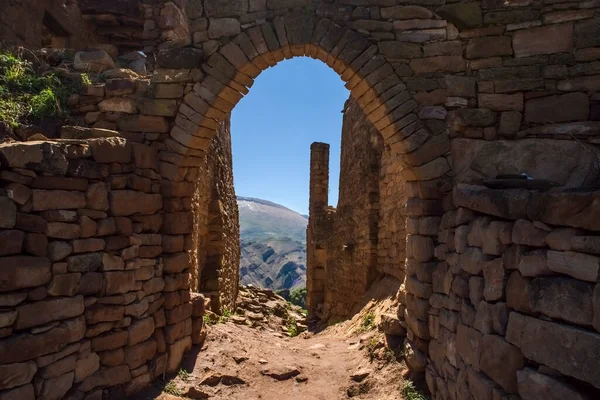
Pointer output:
x,y
514,309
216,234
93,296
350,241
391,240
442,82
423,74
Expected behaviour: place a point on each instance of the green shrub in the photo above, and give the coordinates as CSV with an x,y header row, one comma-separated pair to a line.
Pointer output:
x,y
44,104
225,315
30,94
208,320
298,297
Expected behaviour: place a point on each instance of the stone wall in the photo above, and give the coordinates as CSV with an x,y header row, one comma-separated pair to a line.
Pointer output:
x,y
352,242
513,306
94,292
461,92
96,239
217,225
391,240
365,236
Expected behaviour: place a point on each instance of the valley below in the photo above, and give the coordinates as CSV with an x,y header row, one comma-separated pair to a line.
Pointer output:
x,y
273,245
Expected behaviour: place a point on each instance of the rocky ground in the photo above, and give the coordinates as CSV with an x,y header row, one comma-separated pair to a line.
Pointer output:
x,y
259,353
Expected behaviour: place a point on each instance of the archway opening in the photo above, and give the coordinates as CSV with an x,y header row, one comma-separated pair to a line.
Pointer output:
x,y
274,144
290,106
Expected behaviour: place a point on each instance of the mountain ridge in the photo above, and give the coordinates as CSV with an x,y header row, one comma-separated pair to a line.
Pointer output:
x,y
269,203
273,244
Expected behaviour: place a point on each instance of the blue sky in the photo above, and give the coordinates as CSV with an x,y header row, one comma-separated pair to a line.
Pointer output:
x,y
290,106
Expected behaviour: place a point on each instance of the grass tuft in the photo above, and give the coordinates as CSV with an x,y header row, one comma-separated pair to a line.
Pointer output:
x,y
368,322
410,392
172,389
183,374
225,315
292,326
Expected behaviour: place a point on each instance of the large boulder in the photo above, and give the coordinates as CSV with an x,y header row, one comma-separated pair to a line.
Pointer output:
x,y
42,312
184,58
13,375
25,346
8,213
119,7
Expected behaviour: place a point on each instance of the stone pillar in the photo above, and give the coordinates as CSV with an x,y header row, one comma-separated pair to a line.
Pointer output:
x,y
316,234
319,179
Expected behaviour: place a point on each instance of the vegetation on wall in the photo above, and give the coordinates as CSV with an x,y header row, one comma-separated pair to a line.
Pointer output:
x,y
32,93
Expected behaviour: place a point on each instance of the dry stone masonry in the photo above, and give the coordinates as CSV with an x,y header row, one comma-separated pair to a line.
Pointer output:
x,y
92,294
216,222
500,296
342,241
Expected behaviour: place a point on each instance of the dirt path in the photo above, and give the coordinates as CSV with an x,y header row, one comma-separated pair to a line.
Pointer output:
x,y
238,362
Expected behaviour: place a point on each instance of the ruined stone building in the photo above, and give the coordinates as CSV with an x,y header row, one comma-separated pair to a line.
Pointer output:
x,y
470,173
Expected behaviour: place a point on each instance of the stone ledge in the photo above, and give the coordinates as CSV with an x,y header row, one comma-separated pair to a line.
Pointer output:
x,y
81,133
588,129
54,156
578,209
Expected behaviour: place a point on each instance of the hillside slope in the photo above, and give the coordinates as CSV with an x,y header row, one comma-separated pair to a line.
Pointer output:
x,y
273,245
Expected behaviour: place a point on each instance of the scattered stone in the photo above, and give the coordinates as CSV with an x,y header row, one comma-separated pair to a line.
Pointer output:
x,y
361,375
196,394
281,373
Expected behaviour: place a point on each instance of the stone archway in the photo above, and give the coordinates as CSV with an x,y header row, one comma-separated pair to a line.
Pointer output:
x,y
521,77
380,73
364,66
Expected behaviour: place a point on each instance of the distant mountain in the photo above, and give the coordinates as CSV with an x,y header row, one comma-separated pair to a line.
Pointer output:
x,y
273,241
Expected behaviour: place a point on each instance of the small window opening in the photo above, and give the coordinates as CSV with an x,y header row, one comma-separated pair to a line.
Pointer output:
x,y
53,34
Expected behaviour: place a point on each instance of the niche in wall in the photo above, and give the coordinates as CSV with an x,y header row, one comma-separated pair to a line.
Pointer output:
x,y
53,33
